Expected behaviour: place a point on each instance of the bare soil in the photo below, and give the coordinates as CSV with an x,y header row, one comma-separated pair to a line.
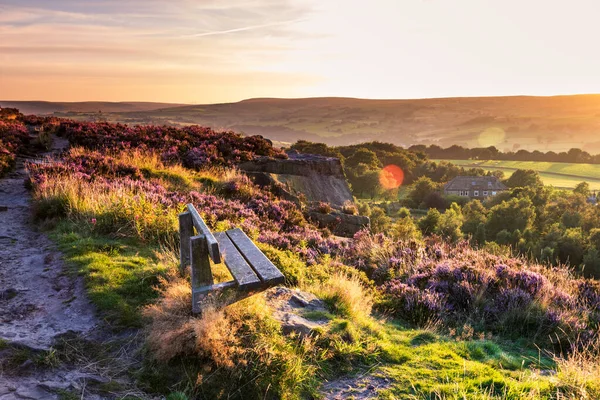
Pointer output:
x,y
39,302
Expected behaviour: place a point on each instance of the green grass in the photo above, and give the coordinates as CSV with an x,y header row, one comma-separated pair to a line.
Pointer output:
x,y
120,275
422,364
559,175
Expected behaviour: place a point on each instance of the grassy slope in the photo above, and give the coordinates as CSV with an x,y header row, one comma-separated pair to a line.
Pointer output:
x,y
534,123
560,175
121,276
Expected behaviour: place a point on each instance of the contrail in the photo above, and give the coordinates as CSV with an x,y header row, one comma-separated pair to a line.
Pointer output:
x,y
245,28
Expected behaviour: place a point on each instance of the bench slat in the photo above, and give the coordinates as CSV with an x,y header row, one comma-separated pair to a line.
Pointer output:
x,y
213,245
242,272
264,268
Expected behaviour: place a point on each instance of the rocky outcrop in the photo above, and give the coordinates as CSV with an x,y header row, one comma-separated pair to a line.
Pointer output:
x,y
302,176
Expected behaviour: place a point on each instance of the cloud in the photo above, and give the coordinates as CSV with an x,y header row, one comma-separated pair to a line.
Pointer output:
x,y
244,29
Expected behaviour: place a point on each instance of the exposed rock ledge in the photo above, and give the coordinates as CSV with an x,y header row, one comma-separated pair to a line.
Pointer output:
x,y
314,178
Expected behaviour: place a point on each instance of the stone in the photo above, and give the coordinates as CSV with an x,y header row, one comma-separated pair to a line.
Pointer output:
x,y
290,305
35,393
8,294
292,323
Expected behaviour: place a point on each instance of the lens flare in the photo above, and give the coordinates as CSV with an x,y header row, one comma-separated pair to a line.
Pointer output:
x,y
391,177
492,137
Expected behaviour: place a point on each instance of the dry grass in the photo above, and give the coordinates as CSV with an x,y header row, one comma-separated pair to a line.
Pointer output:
x,y
346,295
118,209
579,374
174,332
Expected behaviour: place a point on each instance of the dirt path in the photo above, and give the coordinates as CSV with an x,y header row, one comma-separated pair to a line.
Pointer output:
x,y
38,301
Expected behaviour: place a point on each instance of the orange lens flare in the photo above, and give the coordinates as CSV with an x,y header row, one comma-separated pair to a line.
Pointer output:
x,y
391,177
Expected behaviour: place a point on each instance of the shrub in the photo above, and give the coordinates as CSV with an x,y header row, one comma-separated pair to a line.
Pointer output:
x,y
323,208
349,208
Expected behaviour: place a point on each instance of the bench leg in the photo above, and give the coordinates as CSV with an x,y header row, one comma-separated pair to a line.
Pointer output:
x,y
185,233
201,271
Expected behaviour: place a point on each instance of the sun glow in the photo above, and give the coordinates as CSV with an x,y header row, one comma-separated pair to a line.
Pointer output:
x,y
391,177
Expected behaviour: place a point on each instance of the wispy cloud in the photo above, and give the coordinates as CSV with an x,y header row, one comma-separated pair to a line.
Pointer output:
x,y
244,29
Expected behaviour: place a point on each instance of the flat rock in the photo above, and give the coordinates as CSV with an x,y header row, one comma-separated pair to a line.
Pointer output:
x,y
290,306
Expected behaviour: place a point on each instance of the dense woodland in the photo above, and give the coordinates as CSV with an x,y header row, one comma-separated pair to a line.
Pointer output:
x,y
467,311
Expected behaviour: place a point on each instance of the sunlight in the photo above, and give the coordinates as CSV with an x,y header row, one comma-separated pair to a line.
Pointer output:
x,y
491,137
391,177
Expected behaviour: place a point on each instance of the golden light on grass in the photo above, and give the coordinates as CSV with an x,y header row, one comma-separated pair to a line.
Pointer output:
x,y
391,177
491,137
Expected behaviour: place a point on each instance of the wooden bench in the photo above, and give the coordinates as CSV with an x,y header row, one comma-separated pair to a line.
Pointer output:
x,y
251,270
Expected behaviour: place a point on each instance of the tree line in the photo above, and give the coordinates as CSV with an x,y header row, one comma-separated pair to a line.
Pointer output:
x,y
456,152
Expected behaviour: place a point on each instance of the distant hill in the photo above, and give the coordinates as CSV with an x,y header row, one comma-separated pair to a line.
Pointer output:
x,y
47,107
519,122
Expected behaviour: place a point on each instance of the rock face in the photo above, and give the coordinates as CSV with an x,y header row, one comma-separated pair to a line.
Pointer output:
x,y
312,177
339,223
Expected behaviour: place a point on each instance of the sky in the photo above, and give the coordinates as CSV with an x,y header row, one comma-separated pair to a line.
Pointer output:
x,y
211,51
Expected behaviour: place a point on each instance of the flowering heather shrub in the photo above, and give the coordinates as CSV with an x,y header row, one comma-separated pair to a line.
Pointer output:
x,y
457,285
74,185
13,138
196,147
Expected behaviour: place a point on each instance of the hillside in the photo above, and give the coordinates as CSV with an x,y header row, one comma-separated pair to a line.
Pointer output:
x,y
520,122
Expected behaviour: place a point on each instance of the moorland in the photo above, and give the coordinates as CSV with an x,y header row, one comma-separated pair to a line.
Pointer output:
x,y
439,299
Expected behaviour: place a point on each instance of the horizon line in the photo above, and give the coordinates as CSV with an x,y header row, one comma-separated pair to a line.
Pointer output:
x,y
299,98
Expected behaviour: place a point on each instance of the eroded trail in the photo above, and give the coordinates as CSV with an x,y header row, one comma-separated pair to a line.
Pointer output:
x,y
38,300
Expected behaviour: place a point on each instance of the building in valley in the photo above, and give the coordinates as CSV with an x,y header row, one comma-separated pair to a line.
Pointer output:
x,y
475,187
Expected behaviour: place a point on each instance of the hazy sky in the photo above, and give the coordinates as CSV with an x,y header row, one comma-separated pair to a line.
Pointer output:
x,y
216,51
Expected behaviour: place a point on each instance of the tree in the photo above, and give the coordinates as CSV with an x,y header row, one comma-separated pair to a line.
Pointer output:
x,y
421,189
405,229
571,219
524,178
475,215
363,156
367,183
380,222
517,213
582,188
451,222
430,222
591,262
571,246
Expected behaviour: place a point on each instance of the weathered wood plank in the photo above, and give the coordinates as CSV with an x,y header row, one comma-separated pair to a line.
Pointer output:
x,y
263,267
243,274
213,245
185,233
201,271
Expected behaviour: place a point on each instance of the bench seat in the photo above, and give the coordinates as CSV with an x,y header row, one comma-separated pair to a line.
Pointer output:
x,y
251,270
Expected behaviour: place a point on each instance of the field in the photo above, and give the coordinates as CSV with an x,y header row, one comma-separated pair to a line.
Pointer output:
x,y
522,122
559,175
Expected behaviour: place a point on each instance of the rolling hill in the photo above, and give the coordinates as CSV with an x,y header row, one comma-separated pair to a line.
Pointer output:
x,y
520,122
